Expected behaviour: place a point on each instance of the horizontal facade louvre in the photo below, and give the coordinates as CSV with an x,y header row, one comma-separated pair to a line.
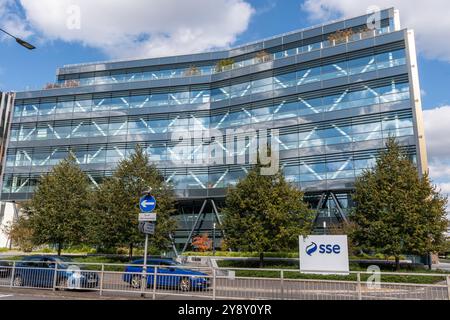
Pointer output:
x,y
286,46
236,80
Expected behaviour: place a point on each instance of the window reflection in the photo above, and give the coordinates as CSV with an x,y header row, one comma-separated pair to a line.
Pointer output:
x,y
147,125
301,77
130,76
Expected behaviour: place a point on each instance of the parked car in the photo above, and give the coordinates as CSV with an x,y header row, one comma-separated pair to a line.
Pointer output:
x,y
5,269
169,275
39,272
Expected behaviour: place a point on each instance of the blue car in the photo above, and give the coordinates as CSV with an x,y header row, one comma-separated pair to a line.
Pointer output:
x,y
39,272
169,275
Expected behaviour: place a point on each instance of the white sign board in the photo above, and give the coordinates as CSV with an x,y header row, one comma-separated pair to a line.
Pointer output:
x,y
148,228
147,217
324,255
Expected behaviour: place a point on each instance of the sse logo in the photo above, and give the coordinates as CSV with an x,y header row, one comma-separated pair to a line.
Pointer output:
x,y
323,249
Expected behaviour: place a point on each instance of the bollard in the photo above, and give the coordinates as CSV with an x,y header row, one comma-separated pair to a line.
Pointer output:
x,y
282,284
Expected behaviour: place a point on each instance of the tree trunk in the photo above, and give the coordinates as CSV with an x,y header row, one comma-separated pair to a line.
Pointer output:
x,y
130,252
59,249
261,259
397,263
430,261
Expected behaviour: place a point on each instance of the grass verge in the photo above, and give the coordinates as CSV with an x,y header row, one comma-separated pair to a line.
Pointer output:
x,y
292,273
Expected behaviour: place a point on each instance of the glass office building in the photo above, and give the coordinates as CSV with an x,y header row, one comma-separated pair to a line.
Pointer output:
x,y
334,92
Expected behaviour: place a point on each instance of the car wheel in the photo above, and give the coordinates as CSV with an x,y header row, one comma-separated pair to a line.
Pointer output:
x,y
185,285
18,281
136,282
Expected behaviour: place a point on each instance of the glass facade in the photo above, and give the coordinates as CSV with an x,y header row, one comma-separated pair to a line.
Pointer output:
x,y
333,102
211,68
346,68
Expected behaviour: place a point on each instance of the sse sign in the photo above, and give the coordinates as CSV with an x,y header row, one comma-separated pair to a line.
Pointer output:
x,y
324,254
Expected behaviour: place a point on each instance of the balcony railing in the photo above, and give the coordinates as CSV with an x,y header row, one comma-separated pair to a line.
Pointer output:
x,y
338,38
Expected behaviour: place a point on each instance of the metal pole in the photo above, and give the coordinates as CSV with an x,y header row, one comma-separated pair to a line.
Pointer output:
x,y
358,277
282,284
144,269
448,287
214,283
55,277
154,282
9,34
12,275
102,276
214,239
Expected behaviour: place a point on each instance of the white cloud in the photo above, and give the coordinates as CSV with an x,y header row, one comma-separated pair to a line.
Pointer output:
x,y
428,18
444,187
136,28
437,132
11,21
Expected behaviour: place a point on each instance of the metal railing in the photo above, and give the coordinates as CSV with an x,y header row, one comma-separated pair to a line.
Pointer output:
x,y
164,282
213,69
284,34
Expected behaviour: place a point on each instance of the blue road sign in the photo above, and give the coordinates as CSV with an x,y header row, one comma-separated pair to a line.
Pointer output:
x,y
147,204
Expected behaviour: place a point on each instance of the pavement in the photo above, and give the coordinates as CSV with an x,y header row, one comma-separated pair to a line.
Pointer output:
x,y
25,294
45,294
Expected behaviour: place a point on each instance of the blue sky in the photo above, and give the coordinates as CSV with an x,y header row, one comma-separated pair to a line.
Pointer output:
x,y
21,69
198,25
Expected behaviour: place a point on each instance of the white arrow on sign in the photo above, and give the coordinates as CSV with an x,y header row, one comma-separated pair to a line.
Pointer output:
x,y
146,203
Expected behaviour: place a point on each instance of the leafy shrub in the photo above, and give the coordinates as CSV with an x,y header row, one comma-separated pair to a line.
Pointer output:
x,y
21,234
244,254
224,65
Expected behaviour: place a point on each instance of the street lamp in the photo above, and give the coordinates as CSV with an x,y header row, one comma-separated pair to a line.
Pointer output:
x,y
23,43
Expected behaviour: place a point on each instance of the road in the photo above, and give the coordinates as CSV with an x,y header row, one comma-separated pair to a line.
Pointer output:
x,y
40,294
25,294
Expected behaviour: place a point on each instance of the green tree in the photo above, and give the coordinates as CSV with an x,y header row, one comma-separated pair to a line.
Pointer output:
x,y
397,211
21,234
265,213
58,212
115,205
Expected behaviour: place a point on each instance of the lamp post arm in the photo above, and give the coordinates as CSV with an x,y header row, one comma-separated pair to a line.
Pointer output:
x,y
9,34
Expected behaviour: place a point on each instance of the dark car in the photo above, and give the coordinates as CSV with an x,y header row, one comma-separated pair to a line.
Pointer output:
x,y
39,272
5,269
169,275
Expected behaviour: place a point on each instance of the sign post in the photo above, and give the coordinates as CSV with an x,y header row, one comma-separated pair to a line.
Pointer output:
x,y
147,220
